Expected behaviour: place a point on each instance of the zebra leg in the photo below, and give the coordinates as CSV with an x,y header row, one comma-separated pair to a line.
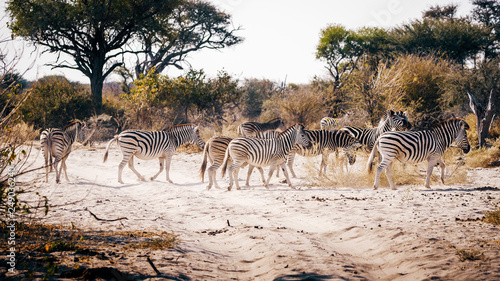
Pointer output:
x,y
290,159
168,160
283,167
233,171
46,156
162,160
131,166
430,167
388,174
442,166
380,169
58,171
63,167
249,173
262,174
322,166
211,177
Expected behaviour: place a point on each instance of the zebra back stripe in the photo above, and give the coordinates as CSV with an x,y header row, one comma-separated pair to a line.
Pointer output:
x,y
249,129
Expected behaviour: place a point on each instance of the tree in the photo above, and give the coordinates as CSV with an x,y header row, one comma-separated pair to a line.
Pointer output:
x,y
193,25
254,93
96,34
447,12
488,13
457,40
484,117
339,48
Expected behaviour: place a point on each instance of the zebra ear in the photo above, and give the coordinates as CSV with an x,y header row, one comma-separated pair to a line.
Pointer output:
x,y
405,113
390,112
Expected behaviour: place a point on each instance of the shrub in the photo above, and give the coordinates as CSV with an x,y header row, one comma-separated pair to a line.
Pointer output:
x,y
297,104
54,101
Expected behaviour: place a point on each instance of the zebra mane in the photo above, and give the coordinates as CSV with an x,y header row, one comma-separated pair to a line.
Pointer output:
x,y
439,124
275,119
72,123
179,127
288,129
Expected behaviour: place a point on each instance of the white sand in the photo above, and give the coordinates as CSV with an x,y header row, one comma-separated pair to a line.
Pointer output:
x,y
337,233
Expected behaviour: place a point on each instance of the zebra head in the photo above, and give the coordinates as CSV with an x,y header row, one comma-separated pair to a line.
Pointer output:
x,y
196,139
301,137
75,130
461,139
397,120
350,152
279,124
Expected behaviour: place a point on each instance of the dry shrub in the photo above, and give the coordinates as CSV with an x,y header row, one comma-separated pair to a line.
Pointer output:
x,y
297,104
357,176
471,255
492,217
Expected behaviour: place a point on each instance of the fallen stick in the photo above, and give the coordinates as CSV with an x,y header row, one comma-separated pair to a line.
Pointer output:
x,y
153,266
99,219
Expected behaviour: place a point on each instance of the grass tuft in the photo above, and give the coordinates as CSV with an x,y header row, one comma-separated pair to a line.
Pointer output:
x,y
470,255
492,217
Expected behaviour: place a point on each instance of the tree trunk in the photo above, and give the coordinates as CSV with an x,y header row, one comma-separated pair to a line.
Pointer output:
x,y
484,117
96,85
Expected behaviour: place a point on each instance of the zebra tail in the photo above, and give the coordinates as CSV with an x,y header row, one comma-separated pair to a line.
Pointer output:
x,y
372,157
107,148
225,163
203,167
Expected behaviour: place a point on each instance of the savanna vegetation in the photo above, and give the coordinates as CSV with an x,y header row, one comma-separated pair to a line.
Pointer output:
x,y
434,67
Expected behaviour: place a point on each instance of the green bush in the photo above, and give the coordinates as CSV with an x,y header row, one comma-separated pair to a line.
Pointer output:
x,y
55,101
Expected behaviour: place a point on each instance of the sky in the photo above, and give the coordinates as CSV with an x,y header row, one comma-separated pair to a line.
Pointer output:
x,y
280,37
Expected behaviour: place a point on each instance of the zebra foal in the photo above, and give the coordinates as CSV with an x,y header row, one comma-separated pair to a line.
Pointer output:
x,y
262,153
417,146
250,129
56,146
329,123
323,143
148,145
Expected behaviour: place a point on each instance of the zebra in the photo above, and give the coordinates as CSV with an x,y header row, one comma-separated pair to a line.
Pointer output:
x,y
324,142
249,129
56,146
329,123
417,146
147,145
392,120
263,152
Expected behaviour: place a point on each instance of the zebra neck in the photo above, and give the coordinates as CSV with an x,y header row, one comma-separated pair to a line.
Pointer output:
x,y
72,134
383,127
444,136
179,137
287,140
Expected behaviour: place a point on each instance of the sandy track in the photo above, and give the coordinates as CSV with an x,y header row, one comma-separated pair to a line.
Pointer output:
x,y
338,233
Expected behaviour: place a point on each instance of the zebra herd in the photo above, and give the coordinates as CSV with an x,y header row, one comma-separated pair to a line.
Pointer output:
x,y
261,145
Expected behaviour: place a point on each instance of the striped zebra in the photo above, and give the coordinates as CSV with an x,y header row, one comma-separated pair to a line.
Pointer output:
x,y
148,145
392,120
56,146
329,123
323,143
249,129
263,152
417,146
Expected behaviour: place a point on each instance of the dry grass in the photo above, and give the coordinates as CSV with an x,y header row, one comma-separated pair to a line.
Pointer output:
x,y
471,255
357,175
492,217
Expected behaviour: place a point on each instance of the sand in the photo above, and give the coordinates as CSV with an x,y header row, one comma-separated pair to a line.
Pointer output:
x,y
307,233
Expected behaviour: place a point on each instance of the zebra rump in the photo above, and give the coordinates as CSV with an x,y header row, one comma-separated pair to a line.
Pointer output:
x,y
417,146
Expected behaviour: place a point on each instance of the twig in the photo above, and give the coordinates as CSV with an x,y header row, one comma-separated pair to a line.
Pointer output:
x,y
99,219
153,266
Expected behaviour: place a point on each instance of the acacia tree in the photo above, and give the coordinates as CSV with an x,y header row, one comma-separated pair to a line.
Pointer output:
x,y
92,32
192,26
99,34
